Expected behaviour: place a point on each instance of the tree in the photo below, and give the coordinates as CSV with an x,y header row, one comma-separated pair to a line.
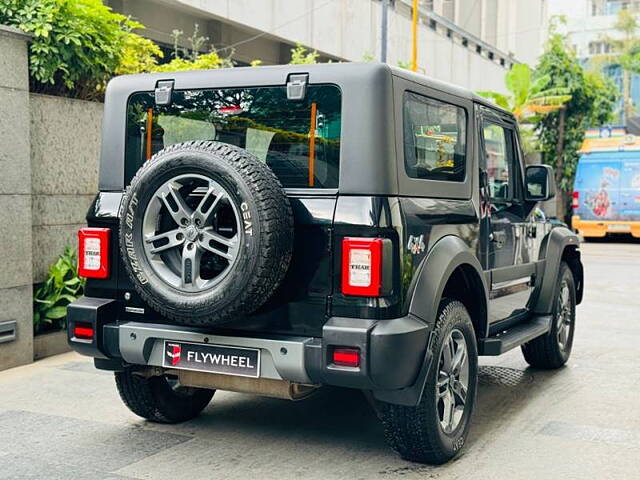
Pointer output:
x,y
561,132
77,45
625,52
529,96
528,99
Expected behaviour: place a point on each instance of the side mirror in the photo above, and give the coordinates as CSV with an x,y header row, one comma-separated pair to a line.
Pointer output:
x,y
540,183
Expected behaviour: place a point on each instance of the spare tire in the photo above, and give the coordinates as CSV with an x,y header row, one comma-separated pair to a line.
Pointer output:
x,y
206,232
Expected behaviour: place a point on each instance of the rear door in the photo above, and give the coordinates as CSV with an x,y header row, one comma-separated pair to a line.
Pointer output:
x,y
299,139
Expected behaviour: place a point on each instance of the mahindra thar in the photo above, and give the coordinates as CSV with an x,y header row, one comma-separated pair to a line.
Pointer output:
x,y
271,230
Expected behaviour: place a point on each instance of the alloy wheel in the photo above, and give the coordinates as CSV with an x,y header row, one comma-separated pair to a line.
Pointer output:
x,y
191,232
564,317
453,381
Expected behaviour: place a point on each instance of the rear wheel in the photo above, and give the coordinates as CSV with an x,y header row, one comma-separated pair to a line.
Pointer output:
x,y
435,430
553,349
160,398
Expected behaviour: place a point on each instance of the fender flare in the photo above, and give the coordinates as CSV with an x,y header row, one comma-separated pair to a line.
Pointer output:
x,y
552,250
449,253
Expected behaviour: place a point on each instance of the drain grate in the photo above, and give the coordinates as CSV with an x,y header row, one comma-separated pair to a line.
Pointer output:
x,y
503,376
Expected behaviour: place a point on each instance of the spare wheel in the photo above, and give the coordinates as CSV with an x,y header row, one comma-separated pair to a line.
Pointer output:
x,y
206,232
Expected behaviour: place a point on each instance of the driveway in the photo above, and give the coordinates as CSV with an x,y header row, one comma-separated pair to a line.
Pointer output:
x,y
61,419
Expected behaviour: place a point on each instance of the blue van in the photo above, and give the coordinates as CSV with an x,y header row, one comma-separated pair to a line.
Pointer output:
x,y
606,194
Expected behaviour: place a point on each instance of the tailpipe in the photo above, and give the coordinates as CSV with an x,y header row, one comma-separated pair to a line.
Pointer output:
x,y
258,386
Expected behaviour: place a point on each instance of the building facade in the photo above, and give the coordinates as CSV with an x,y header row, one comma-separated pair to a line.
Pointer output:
x,y
468,42
589,25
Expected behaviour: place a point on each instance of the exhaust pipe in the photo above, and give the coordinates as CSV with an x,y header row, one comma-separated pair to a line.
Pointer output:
x,y
259,386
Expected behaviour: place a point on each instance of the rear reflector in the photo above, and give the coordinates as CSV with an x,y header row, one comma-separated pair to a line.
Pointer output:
x,y
93,252
83,331
346,357
361,266
575,203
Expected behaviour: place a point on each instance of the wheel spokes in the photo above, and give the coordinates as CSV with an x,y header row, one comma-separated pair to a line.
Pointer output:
x,y
201,251
209,236
459,357
452,381
448,405
211,200
460,391
179,210
174,238
190,266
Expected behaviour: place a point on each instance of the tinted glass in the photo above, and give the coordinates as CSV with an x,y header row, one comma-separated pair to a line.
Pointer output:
x,y
499,147
299,140
434,139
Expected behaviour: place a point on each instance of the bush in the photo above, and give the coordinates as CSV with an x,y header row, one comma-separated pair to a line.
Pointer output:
x,y
77,45
51,298
301,56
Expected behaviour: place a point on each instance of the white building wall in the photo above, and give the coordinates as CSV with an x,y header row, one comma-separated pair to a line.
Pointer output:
x,y
350,30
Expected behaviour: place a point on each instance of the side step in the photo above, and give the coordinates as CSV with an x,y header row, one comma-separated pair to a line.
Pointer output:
x,y
515,336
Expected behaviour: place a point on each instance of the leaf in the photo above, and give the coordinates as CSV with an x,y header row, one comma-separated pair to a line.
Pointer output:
x,y
518,80
57,313
500,99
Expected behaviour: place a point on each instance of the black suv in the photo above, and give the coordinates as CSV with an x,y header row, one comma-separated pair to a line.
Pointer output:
x,y
271,230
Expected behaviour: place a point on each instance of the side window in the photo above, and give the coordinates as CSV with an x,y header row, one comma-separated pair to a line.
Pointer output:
x,y
500,153
434,139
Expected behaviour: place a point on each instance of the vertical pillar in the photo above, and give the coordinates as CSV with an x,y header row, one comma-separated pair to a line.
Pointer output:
x,y
16,324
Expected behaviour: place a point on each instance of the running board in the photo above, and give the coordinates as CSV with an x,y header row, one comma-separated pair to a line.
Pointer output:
x,y
515,336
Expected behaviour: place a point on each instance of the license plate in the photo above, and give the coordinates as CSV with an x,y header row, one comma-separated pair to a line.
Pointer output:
x,y
620,228
244,362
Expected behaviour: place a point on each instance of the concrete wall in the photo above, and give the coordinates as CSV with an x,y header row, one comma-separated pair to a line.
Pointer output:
x,y
15,198
49,150
65,147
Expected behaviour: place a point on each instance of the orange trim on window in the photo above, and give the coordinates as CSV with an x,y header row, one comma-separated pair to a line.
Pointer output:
x,y
149,128
312,144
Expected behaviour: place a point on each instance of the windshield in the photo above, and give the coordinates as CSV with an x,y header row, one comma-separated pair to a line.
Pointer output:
x,y
299,140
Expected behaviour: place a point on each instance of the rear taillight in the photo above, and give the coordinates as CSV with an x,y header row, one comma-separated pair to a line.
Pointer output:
x,y
575,200
362,266
83,331
93,252
346,357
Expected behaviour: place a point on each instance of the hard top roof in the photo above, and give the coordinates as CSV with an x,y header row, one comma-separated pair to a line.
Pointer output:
x,y
276,74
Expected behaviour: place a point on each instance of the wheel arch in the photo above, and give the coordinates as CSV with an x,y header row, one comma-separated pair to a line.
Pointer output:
x,y
449,266
561,244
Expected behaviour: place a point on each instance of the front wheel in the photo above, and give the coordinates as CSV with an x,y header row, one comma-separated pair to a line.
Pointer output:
x,y
160,398
553,349
435,430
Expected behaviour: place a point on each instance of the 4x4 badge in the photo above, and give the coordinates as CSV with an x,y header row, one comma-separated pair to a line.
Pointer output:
x,y
416,244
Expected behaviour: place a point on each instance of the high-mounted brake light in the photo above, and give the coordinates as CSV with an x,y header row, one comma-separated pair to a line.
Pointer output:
x,y
83,331
93,252
362,266
346,357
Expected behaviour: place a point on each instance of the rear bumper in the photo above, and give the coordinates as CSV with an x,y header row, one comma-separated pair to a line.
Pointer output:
x,y
598,229
392,352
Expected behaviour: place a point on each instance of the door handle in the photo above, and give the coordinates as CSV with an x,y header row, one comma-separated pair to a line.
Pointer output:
x,y
498,237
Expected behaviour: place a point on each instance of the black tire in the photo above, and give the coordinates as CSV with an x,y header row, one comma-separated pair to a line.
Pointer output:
x,y
155,399
265,229
547,351
416,432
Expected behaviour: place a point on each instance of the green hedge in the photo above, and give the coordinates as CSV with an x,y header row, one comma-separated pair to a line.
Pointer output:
x,y
77,45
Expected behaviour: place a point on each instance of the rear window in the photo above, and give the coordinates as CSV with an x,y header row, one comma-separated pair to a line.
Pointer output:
x,y
299,140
